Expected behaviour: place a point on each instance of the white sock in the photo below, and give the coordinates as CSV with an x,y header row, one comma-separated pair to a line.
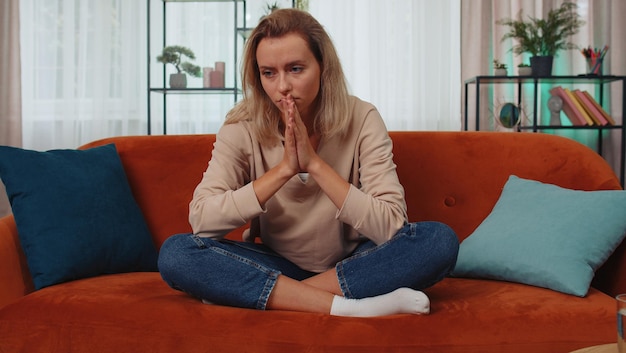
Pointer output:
x,y
400,301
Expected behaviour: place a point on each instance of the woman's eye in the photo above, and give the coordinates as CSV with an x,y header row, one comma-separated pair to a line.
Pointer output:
x,y
297,69
267,73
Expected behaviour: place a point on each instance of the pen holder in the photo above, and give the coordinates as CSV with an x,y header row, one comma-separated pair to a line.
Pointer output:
x,y
594,66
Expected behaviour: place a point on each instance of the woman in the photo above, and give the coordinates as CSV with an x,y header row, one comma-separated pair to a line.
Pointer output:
x,y
311,167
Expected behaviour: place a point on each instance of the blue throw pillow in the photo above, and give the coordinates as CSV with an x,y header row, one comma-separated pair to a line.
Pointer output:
x,y
546,236
75,214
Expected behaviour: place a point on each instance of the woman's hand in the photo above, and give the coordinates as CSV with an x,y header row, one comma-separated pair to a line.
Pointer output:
x,y
290,157
297,137
269,183
300,156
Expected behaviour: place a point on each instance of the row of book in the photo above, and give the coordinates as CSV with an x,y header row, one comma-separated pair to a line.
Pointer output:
x,y
581,108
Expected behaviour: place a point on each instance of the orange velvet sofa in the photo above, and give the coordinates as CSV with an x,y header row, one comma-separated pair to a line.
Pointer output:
x,y
453,177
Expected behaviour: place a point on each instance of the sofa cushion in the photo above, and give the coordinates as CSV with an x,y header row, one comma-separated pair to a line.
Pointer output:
x,y
75,214
544,235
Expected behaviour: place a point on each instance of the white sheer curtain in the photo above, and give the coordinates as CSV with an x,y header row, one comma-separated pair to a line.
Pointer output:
x,y
85,73
402,56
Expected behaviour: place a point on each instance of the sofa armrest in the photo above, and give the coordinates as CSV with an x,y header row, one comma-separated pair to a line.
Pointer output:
x,y
15,279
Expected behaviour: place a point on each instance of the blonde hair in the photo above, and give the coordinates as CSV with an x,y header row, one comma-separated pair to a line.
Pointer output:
x,y
333,109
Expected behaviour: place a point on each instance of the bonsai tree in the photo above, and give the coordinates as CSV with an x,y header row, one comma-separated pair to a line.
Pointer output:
x,y
174,55
544,37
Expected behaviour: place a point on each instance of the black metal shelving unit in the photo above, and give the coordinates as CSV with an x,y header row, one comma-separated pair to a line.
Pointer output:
x,y
239,28
535,82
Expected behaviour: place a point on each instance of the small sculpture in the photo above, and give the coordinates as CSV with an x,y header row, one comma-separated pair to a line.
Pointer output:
x,y
555,105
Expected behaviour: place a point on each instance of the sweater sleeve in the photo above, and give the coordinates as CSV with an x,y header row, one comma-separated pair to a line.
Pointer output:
x,y
225,199
375,206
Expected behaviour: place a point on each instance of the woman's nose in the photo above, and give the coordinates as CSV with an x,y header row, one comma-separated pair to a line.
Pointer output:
x,y
284,85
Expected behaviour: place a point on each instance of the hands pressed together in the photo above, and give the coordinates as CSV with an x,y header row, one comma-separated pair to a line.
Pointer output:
x,y
300,153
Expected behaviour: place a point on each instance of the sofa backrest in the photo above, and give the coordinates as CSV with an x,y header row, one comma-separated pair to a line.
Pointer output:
x,y
457,177
163,171
452,177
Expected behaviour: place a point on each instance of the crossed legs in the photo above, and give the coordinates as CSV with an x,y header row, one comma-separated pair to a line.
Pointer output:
x,y
385,279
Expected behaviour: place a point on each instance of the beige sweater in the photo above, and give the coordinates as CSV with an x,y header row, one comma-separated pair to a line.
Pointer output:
x,y
299,221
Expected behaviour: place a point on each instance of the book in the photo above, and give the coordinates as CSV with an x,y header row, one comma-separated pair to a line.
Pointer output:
x,y
599,107
579,107
568,106
591,109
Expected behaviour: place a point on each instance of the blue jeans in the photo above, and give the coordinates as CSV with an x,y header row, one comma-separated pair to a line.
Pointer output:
x,y
243,274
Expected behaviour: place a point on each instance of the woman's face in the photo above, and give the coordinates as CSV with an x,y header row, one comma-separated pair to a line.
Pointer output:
x,y
288,67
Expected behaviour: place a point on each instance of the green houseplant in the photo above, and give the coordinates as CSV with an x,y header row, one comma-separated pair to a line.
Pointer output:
x,y
174,55
524,69
499,69
544,38
269,8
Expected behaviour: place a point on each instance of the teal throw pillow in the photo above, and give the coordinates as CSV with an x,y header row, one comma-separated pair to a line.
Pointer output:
x,y
75,214
544,235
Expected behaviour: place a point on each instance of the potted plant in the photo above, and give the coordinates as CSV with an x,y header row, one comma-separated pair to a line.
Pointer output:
x,y
174,55
543,38
269,8
499,69
524,69
302,5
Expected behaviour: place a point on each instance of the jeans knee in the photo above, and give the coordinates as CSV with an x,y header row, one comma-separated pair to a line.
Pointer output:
x,y
441,240
449,242
445,235
166,250
171,256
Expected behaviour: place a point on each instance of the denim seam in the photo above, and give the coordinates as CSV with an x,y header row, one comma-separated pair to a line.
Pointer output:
x,y
269,284
343,283
342,280
256,250
242,259
196,239
267,290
